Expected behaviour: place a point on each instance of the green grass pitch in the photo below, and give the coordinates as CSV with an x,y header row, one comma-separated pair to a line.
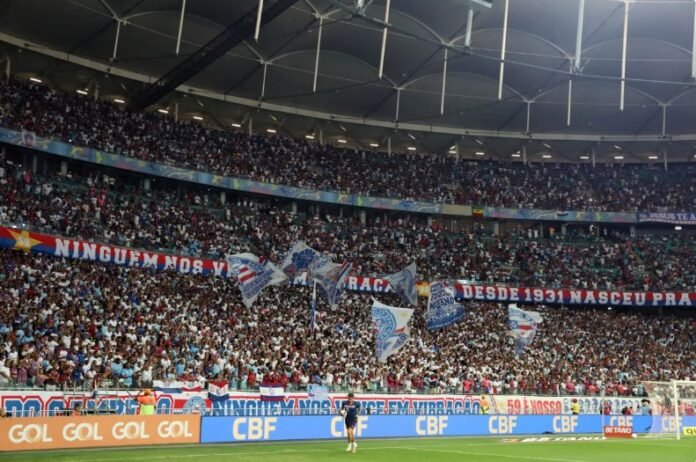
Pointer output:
x,y
401,450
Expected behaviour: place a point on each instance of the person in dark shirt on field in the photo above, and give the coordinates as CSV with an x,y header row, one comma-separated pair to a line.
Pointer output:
x,y
350,411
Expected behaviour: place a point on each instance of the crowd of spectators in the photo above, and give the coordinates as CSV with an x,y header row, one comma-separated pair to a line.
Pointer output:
x,y
72,323
95,207
305,163
67,323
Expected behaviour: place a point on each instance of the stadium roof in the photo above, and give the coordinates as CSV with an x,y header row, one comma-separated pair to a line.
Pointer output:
x,y
121,45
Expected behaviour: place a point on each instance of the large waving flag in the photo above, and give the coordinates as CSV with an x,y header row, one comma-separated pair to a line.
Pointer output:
x,y
403,284
253,275
523,326
330,277
442,309
299,259
391,329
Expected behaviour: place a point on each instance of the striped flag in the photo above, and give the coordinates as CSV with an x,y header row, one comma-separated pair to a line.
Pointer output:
x,y
218,391
253,275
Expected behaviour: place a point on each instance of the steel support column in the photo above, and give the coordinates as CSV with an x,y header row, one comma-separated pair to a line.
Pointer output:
x,y
181,26
398,104
263,81
444,83
469,26
570,102
118,36
624,49
693,47
529,116
501,78
259,16
579,33
385,31
316,59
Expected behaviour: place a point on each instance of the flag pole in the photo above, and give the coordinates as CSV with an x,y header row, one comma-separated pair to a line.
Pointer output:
x,y
313,321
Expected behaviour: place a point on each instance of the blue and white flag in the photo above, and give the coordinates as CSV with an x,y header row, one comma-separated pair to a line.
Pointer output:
x,y
391,329
299,259
442,309
254,275
403,284
523,326
317,392
330,277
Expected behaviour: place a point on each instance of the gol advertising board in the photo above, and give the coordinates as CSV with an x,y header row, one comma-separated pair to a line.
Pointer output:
x,y
40,433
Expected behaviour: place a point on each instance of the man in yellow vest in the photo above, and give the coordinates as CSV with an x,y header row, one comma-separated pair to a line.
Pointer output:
x,y
485,407
147,403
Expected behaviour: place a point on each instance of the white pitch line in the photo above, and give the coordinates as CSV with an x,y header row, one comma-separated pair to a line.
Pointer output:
x,y
489,454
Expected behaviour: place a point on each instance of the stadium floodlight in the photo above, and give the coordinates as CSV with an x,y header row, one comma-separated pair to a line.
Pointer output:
x,y
478,141
342,141
197,118
584,157
546,156
653,157
677,228
81,92
163,111
480,153
618,148
119,101
618,157
411,148
271,130
236,125
546,145
34,79
309,137
516,155
374,145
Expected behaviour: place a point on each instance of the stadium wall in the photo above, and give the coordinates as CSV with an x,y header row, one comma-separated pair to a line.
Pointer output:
x,y
46,433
